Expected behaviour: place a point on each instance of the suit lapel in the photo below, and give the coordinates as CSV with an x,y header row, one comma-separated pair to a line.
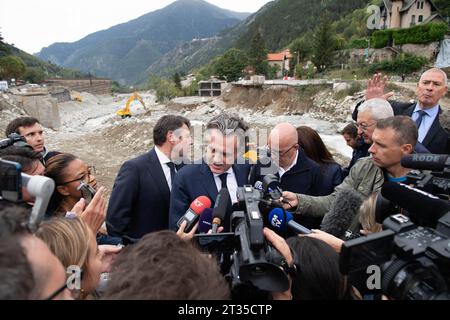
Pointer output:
x,y
434,129
241,176
207,179
157,173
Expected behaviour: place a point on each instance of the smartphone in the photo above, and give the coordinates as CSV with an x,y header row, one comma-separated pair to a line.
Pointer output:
x,y
10,180
87,192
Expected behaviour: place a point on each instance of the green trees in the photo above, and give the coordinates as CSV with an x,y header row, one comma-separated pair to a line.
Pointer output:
x,y
324,43
12,67
257,55
230,65
177,80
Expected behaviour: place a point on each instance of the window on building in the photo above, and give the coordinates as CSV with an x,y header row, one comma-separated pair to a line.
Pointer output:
x,y
420,19
421,5
418,4
413,20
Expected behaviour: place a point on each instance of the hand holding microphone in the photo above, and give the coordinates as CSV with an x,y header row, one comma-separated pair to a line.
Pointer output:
x,y
220,208
281,221
193,213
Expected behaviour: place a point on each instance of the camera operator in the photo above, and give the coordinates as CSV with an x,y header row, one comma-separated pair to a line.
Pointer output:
x,y
31,129
392,138
161,266
48,275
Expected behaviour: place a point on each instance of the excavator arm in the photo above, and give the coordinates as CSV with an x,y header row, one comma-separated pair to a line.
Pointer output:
x,y
125,112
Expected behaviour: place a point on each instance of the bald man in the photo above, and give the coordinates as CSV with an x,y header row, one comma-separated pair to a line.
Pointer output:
x,y
297,172
432,87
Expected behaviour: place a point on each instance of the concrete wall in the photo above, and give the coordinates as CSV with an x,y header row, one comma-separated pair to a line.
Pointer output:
x,y
41,107
94,86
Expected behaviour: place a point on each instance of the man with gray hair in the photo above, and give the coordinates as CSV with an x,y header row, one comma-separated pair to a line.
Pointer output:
x,y
224,139
432,87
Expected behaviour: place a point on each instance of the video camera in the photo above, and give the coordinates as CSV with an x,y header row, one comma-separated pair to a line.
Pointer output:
x,y
414,260
13,139
247,260
11,182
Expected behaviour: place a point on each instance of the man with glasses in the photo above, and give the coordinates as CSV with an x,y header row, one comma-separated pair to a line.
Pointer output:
x,y
431,88
297,172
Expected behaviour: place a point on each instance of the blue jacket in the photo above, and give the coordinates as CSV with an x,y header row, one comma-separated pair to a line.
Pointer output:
x,y
196,180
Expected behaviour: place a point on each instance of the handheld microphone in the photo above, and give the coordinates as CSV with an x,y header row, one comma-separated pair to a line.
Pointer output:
x,y
281,220
205,221
259,185
343,211
193,213
433,162
220,208
421,205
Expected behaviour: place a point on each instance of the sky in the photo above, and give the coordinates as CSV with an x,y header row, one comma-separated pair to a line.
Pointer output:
x,y
31,25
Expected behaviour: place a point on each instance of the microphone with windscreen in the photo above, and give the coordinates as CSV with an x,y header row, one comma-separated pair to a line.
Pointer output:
x,y
205,221
281,221
193,213
424,208
220,208
433,162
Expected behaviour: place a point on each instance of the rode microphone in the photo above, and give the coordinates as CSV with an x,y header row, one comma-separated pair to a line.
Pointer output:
x,y
433,162
425,207
205,221
193,213
220,208
281,220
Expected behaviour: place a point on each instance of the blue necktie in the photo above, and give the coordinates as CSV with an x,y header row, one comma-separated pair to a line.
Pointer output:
x,y
171,166
420,118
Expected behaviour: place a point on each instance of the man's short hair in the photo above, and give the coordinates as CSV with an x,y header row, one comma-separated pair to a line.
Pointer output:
x,y
404,127
227,124
351,129
378,108
161,266
16,276
436,70
13,218
26,156
13,126
166,124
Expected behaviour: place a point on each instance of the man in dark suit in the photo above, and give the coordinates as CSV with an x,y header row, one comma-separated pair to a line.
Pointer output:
x,y
297,172
139,202
431,88
224,138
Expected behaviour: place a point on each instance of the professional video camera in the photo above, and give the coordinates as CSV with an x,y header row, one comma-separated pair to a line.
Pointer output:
x,y
414,260
434,176
13,139
247,260
11,182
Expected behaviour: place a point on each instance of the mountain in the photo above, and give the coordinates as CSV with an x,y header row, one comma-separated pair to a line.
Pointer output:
x,y
124,52
279,22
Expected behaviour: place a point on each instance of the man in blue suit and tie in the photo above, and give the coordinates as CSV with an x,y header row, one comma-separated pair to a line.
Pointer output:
x,y
139,202
225,141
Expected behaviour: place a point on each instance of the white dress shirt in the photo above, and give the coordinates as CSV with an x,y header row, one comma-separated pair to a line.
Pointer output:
x,y
163,160
427,120
281,171
231,184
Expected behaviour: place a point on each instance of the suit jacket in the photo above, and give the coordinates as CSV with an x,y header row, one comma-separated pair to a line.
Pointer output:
x,y
196,180
437,138
139,202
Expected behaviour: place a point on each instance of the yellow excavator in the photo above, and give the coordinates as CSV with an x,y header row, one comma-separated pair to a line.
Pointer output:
x,y
125,112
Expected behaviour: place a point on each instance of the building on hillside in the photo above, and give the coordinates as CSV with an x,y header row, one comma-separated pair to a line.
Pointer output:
x,y
407,13
210,88
281,60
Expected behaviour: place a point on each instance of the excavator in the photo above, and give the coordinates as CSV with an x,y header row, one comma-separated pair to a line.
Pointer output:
x,y
125,112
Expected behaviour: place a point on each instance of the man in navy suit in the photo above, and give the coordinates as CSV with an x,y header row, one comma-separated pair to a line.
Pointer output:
x,y
224,139
139,202
431,88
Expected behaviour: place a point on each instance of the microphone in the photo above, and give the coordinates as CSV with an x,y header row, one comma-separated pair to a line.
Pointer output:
x,y
342,213
433,162
220,208
421,205
193,213
205,221
281,220
259,185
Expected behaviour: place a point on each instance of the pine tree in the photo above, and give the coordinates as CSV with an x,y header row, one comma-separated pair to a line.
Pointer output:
x,y
324,43
177,80
258,55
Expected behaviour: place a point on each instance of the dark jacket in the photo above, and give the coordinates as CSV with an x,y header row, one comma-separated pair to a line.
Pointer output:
x,y
196,180
436,140
332,176
139,202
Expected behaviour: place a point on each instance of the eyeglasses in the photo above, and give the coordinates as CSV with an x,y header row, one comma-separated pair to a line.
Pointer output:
x,y
57,292
364,127
280,154
85,178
